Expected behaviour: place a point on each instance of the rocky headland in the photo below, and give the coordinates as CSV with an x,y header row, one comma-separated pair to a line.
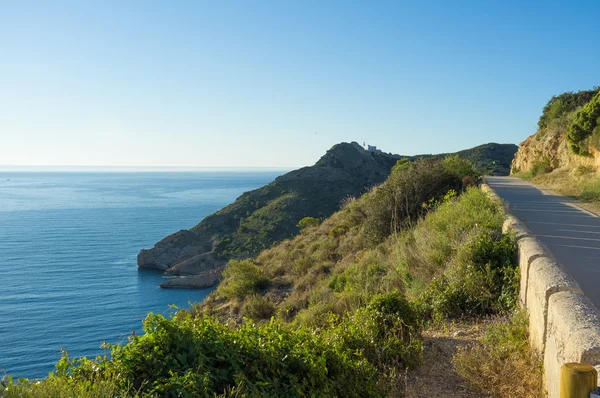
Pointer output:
x,y
263,217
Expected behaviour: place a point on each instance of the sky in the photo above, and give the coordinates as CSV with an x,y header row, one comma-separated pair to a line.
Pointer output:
x,y
277,83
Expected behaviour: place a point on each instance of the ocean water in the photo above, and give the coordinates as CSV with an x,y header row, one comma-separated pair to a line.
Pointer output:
x,y
68,247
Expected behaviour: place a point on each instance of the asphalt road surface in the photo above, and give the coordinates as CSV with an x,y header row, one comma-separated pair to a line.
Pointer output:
x,y
571,234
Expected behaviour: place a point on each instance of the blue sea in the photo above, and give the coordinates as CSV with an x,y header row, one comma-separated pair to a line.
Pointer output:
x,y
68,247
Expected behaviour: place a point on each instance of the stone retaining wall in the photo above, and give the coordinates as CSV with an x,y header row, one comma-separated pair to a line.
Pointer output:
x,y
564,325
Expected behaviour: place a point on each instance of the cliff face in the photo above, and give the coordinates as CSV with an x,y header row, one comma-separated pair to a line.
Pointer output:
x,y
552,146
555,143
260,218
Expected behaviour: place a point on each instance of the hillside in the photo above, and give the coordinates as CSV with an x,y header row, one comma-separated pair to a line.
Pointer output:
x,y
488,159
358,305
553,142
263,217
564,153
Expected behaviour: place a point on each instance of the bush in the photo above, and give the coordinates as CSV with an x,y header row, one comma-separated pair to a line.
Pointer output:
x,y
199,357
482,280
542,166
591,191
563,104
397,203
242,278
308,222
386,332
586,120
258,308
503,361
460,168
583,170
427,250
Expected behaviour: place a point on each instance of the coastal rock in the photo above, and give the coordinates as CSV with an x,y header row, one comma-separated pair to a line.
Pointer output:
x,y
195,265
201,281
171,250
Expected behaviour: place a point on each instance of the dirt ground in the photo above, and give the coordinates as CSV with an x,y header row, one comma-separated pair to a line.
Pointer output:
x,y
436,376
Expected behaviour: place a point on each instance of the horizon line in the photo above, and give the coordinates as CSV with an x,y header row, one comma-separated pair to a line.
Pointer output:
x,y
10,167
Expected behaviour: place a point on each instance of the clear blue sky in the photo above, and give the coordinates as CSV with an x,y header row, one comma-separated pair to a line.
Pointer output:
x,y
249,83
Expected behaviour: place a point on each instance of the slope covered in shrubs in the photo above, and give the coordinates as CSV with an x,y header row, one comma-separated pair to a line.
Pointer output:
x,y
563,154
336,311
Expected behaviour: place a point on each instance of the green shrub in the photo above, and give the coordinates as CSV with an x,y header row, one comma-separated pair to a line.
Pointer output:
x,y
242,278
482,280
386,332
93,385
561,105
198,357
459,167
308,222
258,308
591,190
503,361
338,283
401,165
583,125
542,166
426,250
397,203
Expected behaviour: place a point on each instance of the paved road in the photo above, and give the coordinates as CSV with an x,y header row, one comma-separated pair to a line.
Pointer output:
x,y
571,234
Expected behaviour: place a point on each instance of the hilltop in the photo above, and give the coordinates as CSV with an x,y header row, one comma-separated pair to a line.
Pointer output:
x,y
263,217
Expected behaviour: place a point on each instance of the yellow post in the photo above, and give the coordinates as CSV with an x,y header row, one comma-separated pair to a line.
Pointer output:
x,y
577,380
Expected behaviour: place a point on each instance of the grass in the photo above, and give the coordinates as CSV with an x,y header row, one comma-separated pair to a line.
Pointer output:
x,y
591,191
502,361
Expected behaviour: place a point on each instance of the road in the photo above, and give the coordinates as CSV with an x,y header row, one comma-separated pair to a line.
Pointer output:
x,y
571,234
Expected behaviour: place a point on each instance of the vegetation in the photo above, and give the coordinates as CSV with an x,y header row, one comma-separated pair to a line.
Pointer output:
x,y
261,218
559,106
538,168
295,201
586,123
503,362
591,191
336,311
488,159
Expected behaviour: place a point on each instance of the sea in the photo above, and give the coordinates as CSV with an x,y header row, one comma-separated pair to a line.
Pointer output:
x,y
68,248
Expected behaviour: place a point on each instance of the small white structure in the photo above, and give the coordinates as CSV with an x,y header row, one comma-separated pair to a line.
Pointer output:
x,y
369,148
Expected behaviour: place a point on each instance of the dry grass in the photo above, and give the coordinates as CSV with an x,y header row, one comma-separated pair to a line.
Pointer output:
x,y
502,361
437,376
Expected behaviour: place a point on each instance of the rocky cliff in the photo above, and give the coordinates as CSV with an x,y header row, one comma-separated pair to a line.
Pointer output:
x,y
553,145
550,146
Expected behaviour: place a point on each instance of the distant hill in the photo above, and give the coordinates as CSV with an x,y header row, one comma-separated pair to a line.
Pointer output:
x,y
265,216
488,159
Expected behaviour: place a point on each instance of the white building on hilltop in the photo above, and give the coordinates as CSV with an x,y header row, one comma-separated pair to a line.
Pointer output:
x,y
369,148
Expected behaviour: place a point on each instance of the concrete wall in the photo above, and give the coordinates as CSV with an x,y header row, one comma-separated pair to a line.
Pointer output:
x,y
564,325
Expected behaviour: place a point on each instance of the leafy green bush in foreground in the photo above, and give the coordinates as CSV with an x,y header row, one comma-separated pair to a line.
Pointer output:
x,y
199,357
